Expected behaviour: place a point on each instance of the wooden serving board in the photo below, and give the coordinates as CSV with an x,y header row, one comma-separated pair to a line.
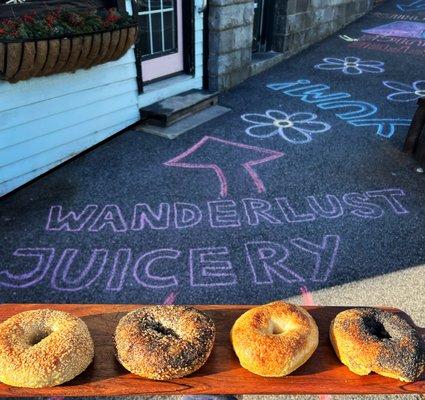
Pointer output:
x,y
222,374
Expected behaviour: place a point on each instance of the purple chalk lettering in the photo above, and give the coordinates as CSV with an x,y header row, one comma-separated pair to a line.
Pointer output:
x,y
290,214
110,216
223,214
71,222
325,255
363,208
61,279
209,268
119,270
33,276
143,215
186,215
142,269
331,209
257,209
389,196
267,259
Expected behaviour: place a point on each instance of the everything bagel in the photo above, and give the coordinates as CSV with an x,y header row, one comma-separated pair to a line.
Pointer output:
x,y
367,339
164,342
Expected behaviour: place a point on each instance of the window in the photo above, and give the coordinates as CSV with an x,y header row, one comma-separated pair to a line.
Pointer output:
x,y
158,27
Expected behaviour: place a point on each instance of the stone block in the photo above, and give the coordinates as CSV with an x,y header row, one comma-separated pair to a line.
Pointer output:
x,y
222,18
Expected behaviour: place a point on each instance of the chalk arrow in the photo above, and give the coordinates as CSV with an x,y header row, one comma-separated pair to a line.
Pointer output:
x,y
218,154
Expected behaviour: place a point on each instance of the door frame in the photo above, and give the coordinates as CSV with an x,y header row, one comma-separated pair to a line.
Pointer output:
x,y
188,10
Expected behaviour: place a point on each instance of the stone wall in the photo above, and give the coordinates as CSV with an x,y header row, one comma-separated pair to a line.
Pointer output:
x,y
297,25
300,23
230,42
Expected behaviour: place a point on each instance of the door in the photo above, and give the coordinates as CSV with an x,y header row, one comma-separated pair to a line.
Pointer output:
x,y
161,38
258,25
263,25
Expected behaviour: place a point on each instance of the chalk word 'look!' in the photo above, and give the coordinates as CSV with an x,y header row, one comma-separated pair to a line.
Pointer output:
x,y
226,213
267,263
356,113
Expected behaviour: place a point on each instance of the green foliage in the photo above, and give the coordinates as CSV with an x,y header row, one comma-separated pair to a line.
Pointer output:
x,y
62,22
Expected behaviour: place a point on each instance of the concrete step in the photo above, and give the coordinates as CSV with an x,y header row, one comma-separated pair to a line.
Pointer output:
x,y
185,124
167,112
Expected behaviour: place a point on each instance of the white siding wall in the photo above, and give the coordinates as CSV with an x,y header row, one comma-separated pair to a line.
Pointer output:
x,y
45,121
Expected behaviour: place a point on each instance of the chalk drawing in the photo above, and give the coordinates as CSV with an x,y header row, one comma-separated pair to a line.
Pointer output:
x,y
209,268
267,262
119,270
407,29
347,38
320,95
170,299
143,215
417,5
70,222
267,259
64,280
256,155
44,258
405,92
351,65
142,269
222,214
295,128
324,253
111,217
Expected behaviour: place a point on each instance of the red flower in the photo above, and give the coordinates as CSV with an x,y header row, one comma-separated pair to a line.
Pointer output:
x,y
28,18
2,31
50,19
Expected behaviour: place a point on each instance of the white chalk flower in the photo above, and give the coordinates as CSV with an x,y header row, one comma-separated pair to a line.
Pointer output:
x,y
295,128
404,92
352,65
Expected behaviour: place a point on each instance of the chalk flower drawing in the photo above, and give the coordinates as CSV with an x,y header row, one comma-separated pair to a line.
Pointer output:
x,y
352,65
295,128
404,92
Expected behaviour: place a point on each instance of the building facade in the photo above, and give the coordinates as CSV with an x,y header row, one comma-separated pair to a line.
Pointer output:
x,y
183,45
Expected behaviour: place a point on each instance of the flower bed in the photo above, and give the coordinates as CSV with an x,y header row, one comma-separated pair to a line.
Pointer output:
x,y
63,40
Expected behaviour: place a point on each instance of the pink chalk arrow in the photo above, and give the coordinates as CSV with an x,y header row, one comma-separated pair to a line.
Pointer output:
x,y
214,148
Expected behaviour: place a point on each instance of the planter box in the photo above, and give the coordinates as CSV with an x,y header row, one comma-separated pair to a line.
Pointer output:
x,y
21,60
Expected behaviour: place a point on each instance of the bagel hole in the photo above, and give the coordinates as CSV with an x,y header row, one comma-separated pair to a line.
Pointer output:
x,y
277,328
39,336
376,328
158,328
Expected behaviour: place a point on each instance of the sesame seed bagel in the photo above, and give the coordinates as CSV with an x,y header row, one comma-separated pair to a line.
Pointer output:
x,y
164,342
43,348
274,339
370,340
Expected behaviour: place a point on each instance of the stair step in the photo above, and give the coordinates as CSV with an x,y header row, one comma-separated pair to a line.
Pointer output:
x,y
167,112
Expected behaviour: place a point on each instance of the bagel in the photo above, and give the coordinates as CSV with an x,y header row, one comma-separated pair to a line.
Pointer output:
x,y
164,342
43,348
370,340
274,339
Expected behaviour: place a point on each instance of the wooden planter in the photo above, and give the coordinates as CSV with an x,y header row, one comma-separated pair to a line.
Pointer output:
x,y
27,59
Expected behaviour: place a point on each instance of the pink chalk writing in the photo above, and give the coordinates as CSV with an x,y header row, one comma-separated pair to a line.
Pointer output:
x,y
144,275
184,160
208,267
266,262
227,213
33,276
